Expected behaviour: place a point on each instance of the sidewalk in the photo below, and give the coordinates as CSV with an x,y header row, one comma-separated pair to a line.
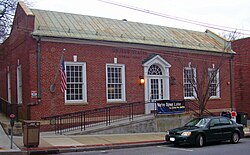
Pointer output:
x,y
61,143
247,131
51,143
5,144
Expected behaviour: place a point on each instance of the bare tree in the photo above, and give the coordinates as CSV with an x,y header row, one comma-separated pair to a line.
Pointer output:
x,y
7,12
232,35
201,82
202,78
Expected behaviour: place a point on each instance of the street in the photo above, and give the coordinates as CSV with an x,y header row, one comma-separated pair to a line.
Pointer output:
x,y
242,148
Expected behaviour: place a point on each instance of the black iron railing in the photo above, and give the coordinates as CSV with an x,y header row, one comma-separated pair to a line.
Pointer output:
x,y
9,108
89,118
194,107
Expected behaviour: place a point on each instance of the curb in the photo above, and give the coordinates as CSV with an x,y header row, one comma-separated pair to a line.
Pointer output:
x,y
247,135
93,147
7,152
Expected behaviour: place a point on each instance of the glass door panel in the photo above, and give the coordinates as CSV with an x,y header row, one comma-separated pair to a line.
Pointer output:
x,y
156,89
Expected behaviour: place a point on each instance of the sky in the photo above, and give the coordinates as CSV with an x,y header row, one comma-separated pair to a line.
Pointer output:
x,y
220,16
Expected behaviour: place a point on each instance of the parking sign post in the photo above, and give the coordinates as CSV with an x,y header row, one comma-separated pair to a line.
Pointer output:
x,y
12,122
233,114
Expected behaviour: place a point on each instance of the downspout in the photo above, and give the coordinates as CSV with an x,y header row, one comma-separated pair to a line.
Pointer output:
x,y
38,70
231,84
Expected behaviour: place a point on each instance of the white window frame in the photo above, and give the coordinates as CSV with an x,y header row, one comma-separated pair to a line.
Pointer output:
x,y
217,84
19,85
84,84
123,91
194,93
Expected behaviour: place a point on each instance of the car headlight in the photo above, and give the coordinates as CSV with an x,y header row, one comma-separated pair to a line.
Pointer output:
x,y
186,133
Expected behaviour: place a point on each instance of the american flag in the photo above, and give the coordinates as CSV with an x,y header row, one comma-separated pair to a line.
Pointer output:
x,y
63,76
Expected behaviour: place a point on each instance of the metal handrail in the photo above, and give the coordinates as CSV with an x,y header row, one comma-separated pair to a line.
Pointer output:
x,y
103,116
89,118
191,106
8,108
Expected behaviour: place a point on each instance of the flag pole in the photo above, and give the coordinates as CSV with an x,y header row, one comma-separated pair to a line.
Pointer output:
x,y
53,85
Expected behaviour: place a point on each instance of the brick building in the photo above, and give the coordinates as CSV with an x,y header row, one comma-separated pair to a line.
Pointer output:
x,y
242,75
104,61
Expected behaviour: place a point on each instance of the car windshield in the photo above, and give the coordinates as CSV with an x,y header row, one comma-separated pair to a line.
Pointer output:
x,y
198,122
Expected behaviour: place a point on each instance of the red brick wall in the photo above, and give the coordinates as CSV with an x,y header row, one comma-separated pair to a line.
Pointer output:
x,y
96,58
242,75
201,63
17,48
3,71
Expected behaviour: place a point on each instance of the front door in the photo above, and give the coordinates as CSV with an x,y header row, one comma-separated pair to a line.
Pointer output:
x,y
156,88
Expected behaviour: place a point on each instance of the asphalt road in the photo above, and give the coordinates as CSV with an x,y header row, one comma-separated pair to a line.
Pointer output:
x,y
242,148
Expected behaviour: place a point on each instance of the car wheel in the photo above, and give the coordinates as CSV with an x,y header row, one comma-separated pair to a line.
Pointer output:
x,y
235,138
199,141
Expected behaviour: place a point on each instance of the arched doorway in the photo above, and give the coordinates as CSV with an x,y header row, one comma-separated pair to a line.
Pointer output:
x,y
156,75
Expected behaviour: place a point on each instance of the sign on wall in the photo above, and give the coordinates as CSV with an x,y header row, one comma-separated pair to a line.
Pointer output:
x,y
33,94
170,106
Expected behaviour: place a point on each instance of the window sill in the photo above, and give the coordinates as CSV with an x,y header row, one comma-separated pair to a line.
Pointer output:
x,y
114,102
189,98
75,103
214,98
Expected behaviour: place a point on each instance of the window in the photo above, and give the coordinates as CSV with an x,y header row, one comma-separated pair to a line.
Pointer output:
x,y
215,122
154,70
189,82
115,82
19,85
225,121
76,82
213,76
199,122
156,82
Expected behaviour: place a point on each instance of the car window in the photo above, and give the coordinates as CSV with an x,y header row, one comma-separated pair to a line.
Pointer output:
x,y
198,122
215,122
225,121
232,122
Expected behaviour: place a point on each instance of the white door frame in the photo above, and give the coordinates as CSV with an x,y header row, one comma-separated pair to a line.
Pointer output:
x,y
164,65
